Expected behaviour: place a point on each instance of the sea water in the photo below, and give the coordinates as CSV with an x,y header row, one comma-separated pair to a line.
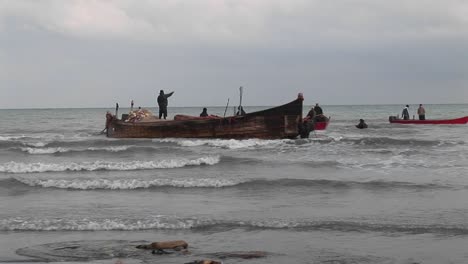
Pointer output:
x,y
387,194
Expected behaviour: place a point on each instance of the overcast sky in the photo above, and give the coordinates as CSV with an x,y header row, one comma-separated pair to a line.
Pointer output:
x,y
90,53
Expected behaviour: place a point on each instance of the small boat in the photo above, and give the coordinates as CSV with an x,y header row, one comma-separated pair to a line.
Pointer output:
x,y
456,121
275,123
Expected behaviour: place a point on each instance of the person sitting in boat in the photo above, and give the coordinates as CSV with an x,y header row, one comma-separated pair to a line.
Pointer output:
x,y
405,113
240,111
421,112
162,103
318,110
362,124
204,113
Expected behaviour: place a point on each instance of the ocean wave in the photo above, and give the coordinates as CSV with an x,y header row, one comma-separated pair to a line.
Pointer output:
x,y
19,167
195,224
127,184
224,143
38,150
378,141
258,184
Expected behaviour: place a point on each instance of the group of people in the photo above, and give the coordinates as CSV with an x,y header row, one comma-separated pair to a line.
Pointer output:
x,y
405,115
421,113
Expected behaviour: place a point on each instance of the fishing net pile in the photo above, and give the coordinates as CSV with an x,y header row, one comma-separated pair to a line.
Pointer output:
x,y
140,115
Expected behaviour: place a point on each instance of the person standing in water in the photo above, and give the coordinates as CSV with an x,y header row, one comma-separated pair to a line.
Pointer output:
x,y
362,124
162,103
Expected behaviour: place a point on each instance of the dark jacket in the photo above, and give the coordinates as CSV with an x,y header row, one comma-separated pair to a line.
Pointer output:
x,y
318,110
162,99
361,125
204,113
311,114
405,113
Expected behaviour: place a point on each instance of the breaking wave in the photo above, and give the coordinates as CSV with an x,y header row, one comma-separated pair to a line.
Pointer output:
x,y
128,184
63,150
167,222
258,184
19,167
225,143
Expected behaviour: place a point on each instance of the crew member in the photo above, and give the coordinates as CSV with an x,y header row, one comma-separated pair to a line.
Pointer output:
x,y
204,113
162,103
405,113
421,112
240,111
318,110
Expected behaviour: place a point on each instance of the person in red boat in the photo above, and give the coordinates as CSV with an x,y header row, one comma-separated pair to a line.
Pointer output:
x,y
421,112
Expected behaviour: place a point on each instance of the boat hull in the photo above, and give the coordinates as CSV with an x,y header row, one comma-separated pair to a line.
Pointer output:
x,y
321,125
456,121
274,123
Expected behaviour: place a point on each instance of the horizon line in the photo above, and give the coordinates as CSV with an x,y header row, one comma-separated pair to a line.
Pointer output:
x,y
103,107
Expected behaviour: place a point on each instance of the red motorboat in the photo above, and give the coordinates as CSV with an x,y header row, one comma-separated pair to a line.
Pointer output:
x,y
321,125
321,122
456,121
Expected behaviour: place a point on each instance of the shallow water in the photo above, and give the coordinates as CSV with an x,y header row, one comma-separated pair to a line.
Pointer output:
x,y
388,194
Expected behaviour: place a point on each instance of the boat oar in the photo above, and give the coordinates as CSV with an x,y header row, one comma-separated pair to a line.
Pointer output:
x,y
226,108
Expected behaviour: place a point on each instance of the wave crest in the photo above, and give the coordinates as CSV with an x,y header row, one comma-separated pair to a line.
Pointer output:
x,y
19,167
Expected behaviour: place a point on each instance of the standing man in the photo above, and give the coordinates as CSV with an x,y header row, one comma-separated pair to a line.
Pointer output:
x,y
405,113
162,103
421,112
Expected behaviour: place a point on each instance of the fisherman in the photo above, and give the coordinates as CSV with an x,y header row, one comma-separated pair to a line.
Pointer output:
x,y
421,112
240,111
311,114
318,110
204,113
162,103
361,124
405,113
109,118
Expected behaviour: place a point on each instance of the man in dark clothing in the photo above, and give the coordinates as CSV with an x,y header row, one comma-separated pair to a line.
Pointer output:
x,y
311,114
318,110
204,113
405,113
421,112
162,102
240,111
361,124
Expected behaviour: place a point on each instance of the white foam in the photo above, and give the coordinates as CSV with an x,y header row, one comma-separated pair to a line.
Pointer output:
x,y
225,143
58,224
126,184
111,149
19,167
44,150
36,144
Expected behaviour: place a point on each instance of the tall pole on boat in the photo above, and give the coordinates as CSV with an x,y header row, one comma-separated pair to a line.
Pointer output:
x,y
240,99
226,108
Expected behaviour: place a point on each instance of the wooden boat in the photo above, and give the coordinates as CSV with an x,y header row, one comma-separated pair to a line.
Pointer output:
x,y
274,123
456,121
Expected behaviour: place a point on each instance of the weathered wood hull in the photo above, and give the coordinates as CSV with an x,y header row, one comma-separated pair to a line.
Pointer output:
x,y
274,123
